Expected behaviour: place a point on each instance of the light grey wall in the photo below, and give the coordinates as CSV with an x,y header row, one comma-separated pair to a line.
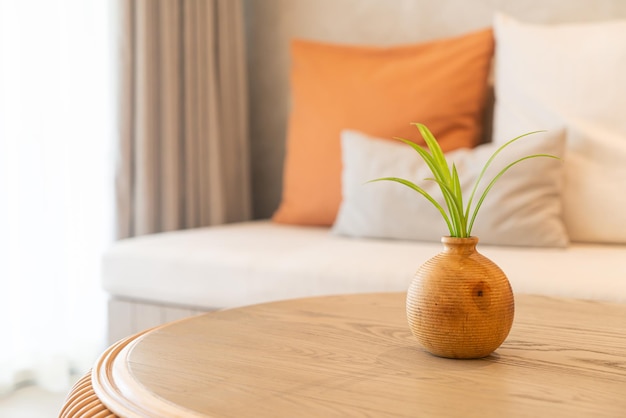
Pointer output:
x,y
271,24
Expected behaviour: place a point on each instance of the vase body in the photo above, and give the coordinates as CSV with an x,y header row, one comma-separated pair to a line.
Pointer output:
x,y
460,304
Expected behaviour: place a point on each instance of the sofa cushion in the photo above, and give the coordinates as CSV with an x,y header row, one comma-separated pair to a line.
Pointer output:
x,y
253,262
380,91
523,208
572,76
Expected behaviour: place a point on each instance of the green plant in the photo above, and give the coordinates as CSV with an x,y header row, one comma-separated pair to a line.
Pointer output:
x,y
458,217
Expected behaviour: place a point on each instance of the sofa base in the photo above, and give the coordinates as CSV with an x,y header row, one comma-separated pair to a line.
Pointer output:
x,y
129,316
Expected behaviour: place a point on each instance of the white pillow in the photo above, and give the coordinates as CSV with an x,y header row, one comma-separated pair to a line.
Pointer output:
x,y
523,208
572,76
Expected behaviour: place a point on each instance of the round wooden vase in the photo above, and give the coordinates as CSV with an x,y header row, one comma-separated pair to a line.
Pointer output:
x,y
460,304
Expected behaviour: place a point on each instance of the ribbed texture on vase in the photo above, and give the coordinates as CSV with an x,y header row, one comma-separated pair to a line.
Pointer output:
x,y
460,304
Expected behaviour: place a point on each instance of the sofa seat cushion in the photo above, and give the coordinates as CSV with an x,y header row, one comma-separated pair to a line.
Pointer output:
x,y
259,261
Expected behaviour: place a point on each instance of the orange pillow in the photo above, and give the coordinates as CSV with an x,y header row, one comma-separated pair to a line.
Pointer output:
x,y
378,91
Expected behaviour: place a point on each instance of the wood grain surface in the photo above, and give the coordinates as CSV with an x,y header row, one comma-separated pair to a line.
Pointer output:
x,y
355,356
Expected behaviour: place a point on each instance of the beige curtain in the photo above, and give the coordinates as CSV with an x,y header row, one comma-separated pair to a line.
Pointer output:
x,y
183,153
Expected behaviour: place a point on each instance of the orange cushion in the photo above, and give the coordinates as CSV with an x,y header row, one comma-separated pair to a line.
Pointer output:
x,y
378,91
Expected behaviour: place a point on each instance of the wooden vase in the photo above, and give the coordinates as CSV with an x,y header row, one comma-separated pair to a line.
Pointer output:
x,y
460,304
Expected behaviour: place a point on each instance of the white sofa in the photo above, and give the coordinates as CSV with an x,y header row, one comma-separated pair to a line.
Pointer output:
x,y
162,277
157,278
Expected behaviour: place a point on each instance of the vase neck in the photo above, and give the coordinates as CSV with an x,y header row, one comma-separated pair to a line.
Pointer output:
x,y
456,245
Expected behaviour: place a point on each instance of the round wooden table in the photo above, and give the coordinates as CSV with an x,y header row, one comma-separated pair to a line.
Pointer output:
x,y
354,355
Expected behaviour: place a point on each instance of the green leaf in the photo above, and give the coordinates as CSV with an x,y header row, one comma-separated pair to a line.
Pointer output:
x,y
423,193
435,151
455,207
486,166
491,184
438,165
428,158
456,187
457,216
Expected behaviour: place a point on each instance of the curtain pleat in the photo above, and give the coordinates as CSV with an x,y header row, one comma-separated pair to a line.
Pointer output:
x,y
171,158
183,152
146,135
126,117
234,81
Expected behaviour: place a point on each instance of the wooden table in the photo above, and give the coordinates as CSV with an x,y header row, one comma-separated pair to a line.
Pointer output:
x,y
354,355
